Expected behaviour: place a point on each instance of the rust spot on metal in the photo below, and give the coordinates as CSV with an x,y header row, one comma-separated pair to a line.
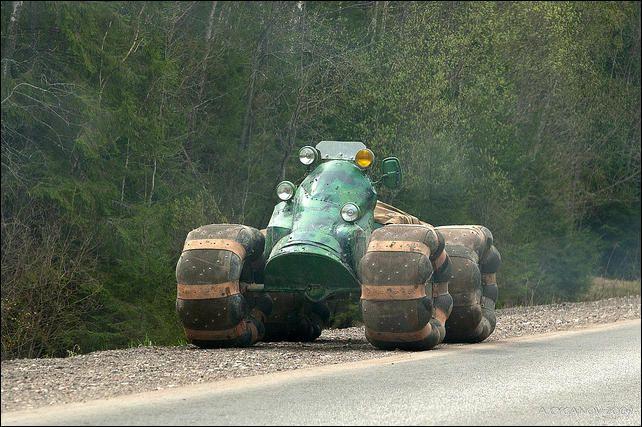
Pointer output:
x,y
225,334
392,292
440,315
388,214
398,246
220,244
213,291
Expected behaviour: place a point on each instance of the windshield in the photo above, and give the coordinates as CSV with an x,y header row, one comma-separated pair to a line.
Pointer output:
x,y
339,150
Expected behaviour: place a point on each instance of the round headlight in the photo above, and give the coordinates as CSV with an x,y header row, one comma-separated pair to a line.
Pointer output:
x,y
285,190
350,212
308,155
364,158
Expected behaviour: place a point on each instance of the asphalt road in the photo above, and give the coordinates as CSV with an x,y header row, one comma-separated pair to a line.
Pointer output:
x,y
582,377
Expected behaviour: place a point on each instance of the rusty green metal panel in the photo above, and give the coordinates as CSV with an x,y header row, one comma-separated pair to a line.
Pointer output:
x,y
309,246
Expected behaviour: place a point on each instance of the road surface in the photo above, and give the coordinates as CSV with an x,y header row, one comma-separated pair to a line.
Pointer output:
x,y
589,376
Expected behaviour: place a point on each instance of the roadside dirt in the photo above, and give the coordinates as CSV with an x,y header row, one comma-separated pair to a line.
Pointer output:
x,y
31,383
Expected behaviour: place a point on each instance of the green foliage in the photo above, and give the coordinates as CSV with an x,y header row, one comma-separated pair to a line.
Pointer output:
x,y
127,124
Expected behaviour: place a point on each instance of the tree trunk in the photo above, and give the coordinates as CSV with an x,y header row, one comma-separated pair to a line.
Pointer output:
x,y
256,63
11,42
122,185
208,50
210,24
247,119
284,162
373,23
384,15
151,191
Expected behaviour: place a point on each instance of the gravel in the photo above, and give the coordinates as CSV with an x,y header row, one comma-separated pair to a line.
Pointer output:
x,y
31,383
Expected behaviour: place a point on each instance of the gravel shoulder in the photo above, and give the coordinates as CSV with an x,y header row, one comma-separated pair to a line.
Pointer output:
x,y
32,383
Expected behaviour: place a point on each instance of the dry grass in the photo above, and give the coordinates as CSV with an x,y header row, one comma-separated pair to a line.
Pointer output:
x,y
602,288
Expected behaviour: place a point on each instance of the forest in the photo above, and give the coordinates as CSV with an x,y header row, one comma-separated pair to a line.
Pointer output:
x,y
127,124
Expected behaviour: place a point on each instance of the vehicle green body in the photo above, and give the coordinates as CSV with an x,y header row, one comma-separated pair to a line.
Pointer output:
x,y
309,248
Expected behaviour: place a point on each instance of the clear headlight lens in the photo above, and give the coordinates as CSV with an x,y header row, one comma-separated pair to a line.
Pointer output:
x,y
285,190
308,155
350,212
364,158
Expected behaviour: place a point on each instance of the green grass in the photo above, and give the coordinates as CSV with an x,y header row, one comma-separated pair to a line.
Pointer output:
x,y
148,342
609,288
145,342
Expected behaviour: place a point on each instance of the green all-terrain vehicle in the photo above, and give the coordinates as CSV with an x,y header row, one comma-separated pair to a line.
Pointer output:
x,y
328,240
